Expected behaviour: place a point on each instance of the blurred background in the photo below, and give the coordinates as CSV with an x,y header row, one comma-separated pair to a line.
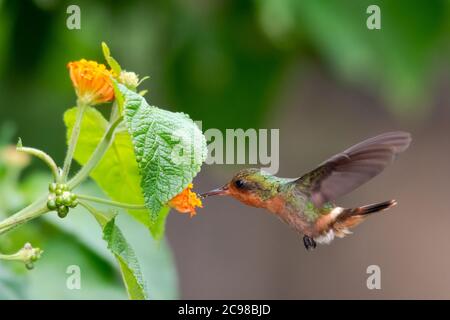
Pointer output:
x,y
310,68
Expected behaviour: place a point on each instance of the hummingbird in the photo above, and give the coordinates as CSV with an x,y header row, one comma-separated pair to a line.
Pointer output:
x,y
307,203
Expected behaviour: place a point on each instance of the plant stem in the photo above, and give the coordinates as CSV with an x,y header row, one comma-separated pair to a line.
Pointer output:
x,y
114,112
44,157
99,152
111,203
30,212
101,217
11,257
81,107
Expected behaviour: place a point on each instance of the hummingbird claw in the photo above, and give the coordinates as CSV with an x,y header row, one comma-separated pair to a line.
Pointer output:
x,y
309,243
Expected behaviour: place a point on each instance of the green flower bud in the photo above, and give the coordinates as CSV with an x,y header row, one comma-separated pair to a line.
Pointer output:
x,y
51,204
52,187
129,79
74,203
58,191
66,198
28,255
59,200
63,211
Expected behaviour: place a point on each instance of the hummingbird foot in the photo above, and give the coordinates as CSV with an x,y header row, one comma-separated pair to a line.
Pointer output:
x,y
309,243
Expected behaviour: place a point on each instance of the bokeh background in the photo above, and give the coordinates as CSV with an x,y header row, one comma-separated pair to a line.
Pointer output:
x,y
308,67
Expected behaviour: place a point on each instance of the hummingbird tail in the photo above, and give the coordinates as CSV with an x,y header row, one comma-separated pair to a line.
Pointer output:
x,y
371,208
350,218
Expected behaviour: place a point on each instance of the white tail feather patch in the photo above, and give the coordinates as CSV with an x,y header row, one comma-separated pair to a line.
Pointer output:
x,y
343,232
326,238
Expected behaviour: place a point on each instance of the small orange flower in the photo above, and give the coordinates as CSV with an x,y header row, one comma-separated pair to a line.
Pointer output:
x,y
186,201
92,81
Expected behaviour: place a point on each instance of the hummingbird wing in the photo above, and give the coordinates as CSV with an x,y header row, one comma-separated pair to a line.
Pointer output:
x,y
348,170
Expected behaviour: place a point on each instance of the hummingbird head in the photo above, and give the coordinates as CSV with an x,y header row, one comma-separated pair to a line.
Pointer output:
x,y
250,186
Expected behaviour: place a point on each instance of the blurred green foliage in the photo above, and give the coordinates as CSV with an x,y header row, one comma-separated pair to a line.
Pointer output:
x,y
396,61
223,62
220,61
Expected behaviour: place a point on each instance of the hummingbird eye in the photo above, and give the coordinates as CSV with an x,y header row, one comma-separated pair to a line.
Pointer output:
x,y
239,183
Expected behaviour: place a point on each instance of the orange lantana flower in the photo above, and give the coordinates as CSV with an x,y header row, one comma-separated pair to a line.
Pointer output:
x,y
92,81
186,201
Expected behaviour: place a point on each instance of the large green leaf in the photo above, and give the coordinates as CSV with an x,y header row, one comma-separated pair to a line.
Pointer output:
x,y
118,245
117,173
169,148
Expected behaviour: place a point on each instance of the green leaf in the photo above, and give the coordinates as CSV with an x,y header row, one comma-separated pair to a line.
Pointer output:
x,y
169,148
117,173
115,66
129,265
118,245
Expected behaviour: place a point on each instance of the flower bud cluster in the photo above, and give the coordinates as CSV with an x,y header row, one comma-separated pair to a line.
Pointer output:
x,y
60,199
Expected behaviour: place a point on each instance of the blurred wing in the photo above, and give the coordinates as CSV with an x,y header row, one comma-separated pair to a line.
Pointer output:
x,y
348,170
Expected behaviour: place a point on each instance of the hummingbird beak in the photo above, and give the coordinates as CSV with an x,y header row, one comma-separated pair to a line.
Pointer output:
x,y
216,192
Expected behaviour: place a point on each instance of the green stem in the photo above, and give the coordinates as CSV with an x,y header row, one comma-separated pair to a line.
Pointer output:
x,y
34,210
111,203
81,108
44,157
114,112
101,217
15,256
99,152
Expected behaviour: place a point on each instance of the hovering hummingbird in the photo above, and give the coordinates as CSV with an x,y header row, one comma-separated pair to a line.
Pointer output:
x,y
306,203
